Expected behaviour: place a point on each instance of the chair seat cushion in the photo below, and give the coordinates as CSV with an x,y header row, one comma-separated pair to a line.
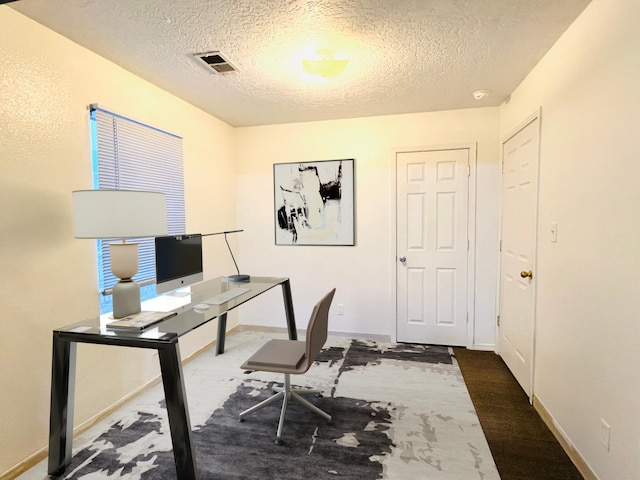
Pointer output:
x,y
276,354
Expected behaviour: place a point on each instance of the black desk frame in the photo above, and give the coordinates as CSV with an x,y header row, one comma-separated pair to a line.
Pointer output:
x,y
63,386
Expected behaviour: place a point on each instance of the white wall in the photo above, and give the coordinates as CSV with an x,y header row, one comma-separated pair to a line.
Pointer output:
x,y
364,275
587,364
48,277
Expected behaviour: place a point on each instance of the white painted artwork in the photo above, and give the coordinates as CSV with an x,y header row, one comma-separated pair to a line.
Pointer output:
x,y
314,202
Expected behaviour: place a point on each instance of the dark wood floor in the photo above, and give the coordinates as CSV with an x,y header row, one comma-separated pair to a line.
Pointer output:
x,y
522,446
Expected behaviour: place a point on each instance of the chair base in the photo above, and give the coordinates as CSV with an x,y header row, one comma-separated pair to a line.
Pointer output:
x,y
285,394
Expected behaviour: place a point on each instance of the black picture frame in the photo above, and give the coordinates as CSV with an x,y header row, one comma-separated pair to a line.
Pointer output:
x,y
314,202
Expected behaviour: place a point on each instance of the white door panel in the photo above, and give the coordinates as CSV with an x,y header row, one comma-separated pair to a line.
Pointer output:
x,y
432,189
519,227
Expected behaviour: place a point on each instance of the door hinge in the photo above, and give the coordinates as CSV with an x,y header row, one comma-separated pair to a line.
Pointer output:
x,y
468,245
498,320
468,170
500,245
502,167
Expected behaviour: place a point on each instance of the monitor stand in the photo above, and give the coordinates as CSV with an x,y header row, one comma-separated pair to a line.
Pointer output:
x,y
179,293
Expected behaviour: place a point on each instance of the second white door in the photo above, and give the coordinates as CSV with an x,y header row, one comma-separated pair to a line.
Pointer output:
x,y
518,248
432,246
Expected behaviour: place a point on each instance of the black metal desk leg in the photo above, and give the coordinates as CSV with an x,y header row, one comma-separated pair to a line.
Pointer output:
x,y
63,373
222,332
288,308
178,411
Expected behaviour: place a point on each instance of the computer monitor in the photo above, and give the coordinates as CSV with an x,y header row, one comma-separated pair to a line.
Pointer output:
x,y
178,261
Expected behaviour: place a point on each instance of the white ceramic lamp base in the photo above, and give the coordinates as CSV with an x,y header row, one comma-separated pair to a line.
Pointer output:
x,y
126,298
124,265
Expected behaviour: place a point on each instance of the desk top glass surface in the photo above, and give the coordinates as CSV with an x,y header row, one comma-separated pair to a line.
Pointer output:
x,y
187,317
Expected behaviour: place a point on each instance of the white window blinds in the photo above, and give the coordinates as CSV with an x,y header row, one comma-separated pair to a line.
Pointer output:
x,y
129,155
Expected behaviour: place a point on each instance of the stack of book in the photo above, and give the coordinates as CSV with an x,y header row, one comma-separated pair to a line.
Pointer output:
x,y
140,321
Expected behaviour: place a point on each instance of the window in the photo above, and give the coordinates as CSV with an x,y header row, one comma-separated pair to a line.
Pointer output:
x,y
128,155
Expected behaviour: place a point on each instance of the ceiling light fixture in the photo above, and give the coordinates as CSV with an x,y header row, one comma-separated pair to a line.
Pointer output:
x,y
480,94
324,65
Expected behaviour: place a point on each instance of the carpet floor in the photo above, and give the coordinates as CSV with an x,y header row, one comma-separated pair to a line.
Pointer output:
x,y
522,445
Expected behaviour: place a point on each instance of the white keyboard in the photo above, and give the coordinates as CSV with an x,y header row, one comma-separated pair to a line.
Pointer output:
x,y
224,297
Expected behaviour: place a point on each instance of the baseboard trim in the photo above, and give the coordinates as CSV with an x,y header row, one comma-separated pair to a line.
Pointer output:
x,y
25,465
577,459
485,347
376,337
41,454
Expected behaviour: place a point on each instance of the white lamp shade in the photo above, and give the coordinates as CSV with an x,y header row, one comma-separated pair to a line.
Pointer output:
x,y
119,214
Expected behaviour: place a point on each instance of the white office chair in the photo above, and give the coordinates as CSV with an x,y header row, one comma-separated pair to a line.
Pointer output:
x,y
292,357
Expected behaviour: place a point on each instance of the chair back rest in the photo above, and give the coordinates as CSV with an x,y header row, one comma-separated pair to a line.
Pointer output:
x,y
318,327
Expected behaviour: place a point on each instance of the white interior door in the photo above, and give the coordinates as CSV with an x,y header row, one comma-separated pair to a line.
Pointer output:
x,y
517,256
432,246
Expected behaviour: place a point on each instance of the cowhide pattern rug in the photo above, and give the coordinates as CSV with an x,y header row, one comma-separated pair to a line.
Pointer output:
x,y
399,412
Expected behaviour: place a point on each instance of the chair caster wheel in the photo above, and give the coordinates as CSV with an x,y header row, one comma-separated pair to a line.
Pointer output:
x,y
317,395
240,420
278,441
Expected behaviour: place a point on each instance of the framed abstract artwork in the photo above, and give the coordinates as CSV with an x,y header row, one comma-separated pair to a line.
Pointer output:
x,y
314,202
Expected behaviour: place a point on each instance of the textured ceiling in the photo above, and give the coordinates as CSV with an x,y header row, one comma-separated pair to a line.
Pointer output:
x,y
406,55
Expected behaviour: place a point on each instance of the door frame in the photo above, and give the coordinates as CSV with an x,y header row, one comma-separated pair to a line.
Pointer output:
x,y
471,230
537,115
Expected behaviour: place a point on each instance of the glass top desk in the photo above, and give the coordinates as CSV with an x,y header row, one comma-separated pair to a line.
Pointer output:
x,y
162,337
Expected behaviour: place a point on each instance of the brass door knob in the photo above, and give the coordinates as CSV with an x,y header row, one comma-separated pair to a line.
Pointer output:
x,y
526,274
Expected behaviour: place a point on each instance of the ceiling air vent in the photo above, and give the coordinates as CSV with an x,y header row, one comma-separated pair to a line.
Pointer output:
x,y
216,62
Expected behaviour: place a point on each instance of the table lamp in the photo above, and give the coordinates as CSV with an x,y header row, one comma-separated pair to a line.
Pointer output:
x,y
120,214
239,277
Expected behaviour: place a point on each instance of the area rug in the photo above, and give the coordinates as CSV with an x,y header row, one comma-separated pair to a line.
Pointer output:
x,y
400,412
